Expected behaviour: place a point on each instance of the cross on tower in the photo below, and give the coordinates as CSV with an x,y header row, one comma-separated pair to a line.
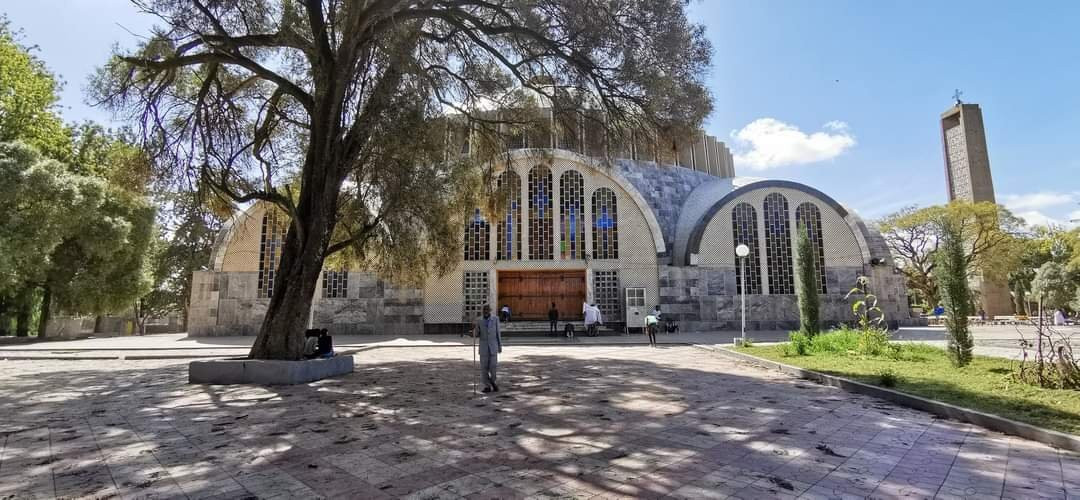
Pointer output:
x,y
956,95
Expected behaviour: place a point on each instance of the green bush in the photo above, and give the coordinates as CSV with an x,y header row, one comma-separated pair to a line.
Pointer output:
x,y
837,341
888,377
873,342
799,344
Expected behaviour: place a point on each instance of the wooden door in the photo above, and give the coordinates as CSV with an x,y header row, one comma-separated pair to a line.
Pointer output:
x,y
530,293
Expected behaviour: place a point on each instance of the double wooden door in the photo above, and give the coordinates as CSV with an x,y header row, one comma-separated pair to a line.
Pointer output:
x,y
530,293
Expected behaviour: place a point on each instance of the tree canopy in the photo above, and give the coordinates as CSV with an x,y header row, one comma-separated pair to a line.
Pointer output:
x,y
338,111
990,238
28,98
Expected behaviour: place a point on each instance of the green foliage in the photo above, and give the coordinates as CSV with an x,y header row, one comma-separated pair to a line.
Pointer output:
x,y
915,234
987,384
1054,284
865,307
77,237
809,302
888,377
872,342
799,344
951,273
29,94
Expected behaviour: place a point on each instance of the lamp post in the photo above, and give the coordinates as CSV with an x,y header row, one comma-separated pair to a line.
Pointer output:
x,y
742,251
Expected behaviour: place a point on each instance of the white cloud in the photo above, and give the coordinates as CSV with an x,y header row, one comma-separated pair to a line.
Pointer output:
x,y
769,143
1037,218
1036,201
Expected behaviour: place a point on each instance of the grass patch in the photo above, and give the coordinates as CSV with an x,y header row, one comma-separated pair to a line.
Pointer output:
x,y
987,384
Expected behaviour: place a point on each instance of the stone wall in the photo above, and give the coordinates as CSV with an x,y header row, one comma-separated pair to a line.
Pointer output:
x,y
665,188
227,303
707,299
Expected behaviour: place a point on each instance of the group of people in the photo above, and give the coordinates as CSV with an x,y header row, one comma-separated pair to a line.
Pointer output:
x,y
593,320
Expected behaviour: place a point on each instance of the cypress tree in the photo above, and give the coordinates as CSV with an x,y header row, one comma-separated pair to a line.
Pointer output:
x,y
809,302
952,278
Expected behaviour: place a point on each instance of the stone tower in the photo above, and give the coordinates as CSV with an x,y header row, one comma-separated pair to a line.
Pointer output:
x,y
967,176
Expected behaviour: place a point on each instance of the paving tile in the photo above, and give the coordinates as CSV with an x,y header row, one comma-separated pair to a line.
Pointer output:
x,y
572,422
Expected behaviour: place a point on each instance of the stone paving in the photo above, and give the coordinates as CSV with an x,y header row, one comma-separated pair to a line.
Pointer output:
x,y
571,422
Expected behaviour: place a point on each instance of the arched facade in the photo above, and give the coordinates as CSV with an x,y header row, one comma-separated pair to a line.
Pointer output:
x,y
569,229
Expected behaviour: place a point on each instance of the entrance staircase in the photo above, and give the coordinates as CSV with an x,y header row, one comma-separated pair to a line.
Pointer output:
x,y
540,329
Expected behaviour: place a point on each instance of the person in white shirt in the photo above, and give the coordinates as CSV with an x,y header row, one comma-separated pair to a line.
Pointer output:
x,y
593,319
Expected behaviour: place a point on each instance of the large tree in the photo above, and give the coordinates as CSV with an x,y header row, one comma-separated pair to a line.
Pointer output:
x,y
989,246
29,94
335,111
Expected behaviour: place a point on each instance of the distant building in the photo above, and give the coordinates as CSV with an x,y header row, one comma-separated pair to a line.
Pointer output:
x,y
967,177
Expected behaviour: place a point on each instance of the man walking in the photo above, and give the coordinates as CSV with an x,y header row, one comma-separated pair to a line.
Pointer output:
x,y
487,328
652,323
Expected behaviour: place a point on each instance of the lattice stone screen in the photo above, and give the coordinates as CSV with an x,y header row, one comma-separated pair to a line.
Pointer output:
x,y
475,290
607,296
808,216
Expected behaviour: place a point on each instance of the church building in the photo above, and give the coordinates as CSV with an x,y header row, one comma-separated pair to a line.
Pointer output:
x,y
626,228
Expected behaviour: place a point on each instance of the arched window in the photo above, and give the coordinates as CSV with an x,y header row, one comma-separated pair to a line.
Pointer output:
x,y
571,218
509,240
605,216
809,216
778,245
335,284
541,239
476,238
274,226
744,229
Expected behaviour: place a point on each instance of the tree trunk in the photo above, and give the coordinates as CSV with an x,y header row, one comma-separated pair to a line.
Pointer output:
x,y
22,315
281,335
46,303
5,323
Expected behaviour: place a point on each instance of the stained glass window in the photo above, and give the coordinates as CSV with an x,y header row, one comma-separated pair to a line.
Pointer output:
x,y
572,215
778,245
476,237
744,229
605,224
809,216
475,288
335,284
273,237
541,239
509,239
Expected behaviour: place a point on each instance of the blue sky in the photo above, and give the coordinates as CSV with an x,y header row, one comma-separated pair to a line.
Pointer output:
x,y
842,95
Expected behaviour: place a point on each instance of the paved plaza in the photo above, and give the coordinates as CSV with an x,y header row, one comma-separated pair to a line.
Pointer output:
x,y
586,421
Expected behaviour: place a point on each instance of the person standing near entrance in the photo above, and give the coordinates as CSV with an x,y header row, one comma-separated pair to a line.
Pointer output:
x,y
652,323
593,320
488,330
553,319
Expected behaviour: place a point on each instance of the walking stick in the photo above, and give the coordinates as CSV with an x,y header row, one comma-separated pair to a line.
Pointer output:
x,y
475,379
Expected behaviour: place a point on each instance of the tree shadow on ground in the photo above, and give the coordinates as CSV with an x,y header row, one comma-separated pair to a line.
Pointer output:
x,y
625,421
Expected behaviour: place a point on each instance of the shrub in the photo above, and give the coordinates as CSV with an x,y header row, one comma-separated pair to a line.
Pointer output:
x,y
888,377
873,342
839,341
952,278
799,345
809,302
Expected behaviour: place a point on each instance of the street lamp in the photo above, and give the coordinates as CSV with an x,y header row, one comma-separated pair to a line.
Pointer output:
x,y
742,251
